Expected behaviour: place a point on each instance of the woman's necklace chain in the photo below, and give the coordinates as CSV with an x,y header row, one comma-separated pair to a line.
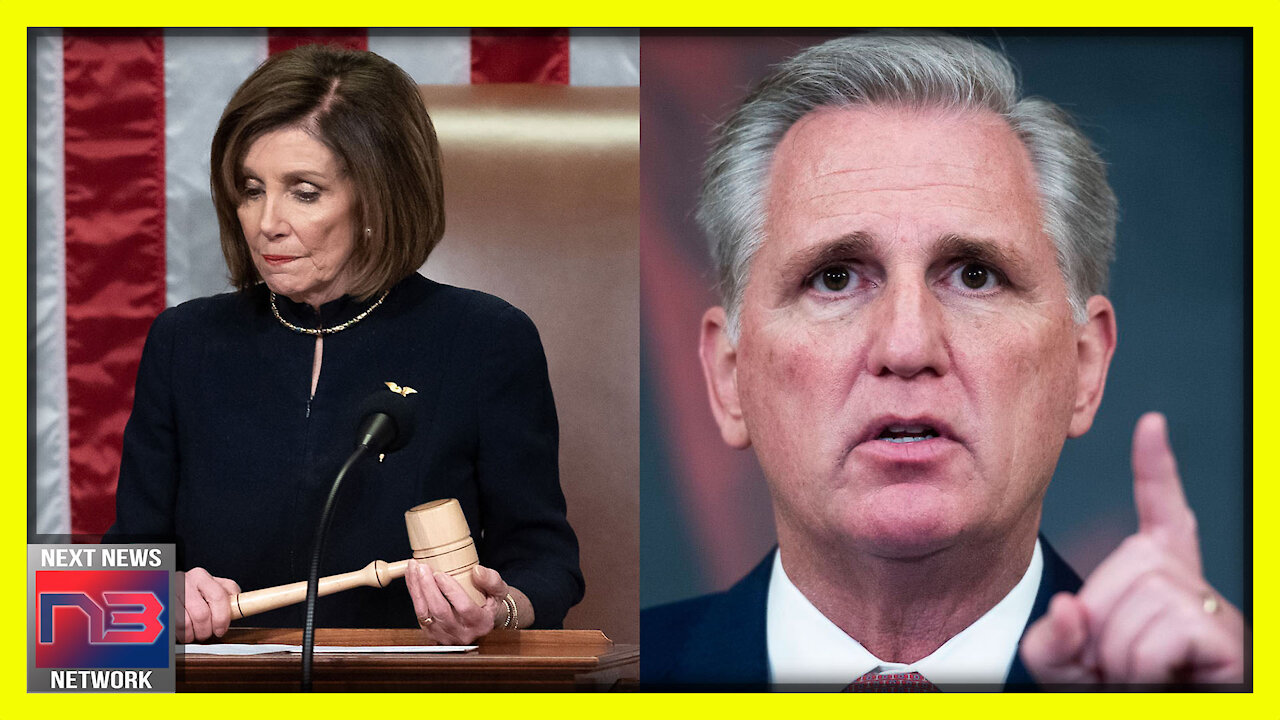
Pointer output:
x,y
325,331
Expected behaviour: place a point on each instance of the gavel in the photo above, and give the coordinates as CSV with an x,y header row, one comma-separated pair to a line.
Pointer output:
x,y
439,537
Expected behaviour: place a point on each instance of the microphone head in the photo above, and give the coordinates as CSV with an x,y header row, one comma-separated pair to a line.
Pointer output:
x,y
386,421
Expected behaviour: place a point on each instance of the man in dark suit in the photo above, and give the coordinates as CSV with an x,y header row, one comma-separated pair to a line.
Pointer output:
x,y
912,260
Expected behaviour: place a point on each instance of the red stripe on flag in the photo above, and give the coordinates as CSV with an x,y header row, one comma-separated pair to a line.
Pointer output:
x,y
520,56
282,39
115,257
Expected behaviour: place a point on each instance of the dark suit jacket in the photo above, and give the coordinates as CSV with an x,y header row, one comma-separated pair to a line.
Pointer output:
x,y
718,641
228,452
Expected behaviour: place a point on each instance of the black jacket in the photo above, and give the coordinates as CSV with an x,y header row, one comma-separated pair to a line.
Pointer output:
x,y
226,453
719,641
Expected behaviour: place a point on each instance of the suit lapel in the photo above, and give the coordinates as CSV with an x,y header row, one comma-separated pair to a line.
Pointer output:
x,y
1056,577
738,657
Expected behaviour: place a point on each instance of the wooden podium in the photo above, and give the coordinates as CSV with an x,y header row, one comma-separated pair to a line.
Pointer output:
x,y
507,660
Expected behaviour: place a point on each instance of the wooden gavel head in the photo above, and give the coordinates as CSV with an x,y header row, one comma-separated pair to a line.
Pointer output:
x,y
441,540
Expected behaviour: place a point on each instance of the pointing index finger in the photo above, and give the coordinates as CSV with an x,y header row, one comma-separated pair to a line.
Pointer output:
x,y
1163,513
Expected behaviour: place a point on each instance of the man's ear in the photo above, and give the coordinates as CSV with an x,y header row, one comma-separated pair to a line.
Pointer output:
x,y
1095,344
720,368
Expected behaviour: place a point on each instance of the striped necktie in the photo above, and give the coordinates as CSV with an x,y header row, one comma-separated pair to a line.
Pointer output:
x,y
910,682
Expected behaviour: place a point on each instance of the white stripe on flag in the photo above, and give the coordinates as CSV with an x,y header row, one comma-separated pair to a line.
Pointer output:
x,y
430,56
201,71
53,506
604,57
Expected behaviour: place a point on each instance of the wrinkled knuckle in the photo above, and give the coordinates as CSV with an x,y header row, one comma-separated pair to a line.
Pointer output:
x,y
1192,618
1140,545
1155,580
1148,555
1112,654
1149,662
198,612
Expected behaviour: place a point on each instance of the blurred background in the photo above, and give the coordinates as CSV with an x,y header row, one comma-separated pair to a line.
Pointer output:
x,y
1170,114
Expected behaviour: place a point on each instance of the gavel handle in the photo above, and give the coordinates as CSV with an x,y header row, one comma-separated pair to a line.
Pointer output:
x,y
376,574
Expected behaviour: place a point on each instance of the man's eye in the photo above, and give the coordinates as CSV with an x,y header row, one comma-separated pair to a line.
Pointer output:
x,y
833,279
976,276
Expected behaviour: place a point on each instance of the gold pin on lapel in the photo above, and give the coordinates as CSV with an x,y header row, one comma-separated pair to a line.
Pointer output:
x,y
402,391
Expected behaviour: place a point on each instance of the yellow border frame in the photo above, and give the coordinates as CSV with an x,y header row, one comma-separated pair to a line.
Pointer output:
x,y
1266,390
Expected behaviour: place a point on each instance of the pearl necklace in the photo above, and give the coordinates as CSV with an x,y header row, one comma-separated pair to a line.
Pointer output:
x,y
325,331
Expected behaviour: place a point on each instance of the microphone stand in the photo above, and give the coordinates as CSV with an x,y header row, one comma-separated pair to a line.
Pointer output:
x,y
384,427
313,579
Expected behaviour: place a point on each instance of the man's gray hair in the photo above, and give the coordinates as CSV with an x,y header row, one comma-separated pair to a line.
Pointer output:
x,y
1079,208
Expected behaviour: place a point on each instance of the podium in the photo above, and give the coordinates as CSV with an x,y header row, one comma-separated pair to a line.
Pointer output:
x,y
506,660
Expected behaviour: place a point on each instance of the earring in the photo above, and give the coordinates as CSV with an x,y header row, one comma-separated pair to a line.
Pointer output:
x,y
368,232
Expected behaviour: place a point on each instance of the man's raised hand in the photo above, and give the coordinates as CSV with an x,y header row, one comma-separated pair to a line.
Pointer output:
x,y
1146,615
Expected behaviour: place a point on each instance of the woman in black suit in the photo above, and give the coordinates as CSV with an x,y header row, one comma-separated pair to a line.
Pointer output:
x,y
326,180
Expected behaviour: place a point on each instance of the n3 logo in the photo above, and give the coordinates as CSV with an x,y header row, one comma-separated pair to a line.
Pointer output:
x,y
129,617
101,619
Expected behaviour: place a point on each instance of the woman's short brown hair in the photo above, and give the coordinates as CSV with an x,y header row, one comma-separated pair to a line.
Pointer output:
x,y
367,111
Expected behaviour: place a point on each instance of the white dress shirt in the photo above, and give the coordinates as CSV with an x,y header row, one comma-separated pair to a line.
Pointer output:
x,y
808,650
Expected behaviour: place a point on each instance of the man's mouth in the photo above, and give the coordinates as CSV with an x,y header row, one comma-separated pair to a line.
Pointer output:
x,y
907,429
908,440
907,433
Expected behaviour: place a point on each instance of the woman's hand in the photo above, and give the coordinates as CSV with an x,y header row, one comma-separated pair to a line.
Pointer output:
x,y
206,604
449,616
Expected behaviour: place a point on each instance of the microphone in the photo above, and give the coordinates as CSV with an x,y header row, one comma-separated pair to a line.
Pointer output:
x,y
386,424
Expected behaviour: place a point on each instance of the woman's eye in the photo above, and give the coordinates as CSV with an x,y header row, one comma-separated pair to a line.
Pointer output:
x,y
976,276
833,279
251,191
307,196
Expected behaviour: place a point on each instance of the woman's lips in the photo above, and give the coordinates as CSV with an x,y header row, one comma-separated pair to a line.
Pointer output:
x,y
277,259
